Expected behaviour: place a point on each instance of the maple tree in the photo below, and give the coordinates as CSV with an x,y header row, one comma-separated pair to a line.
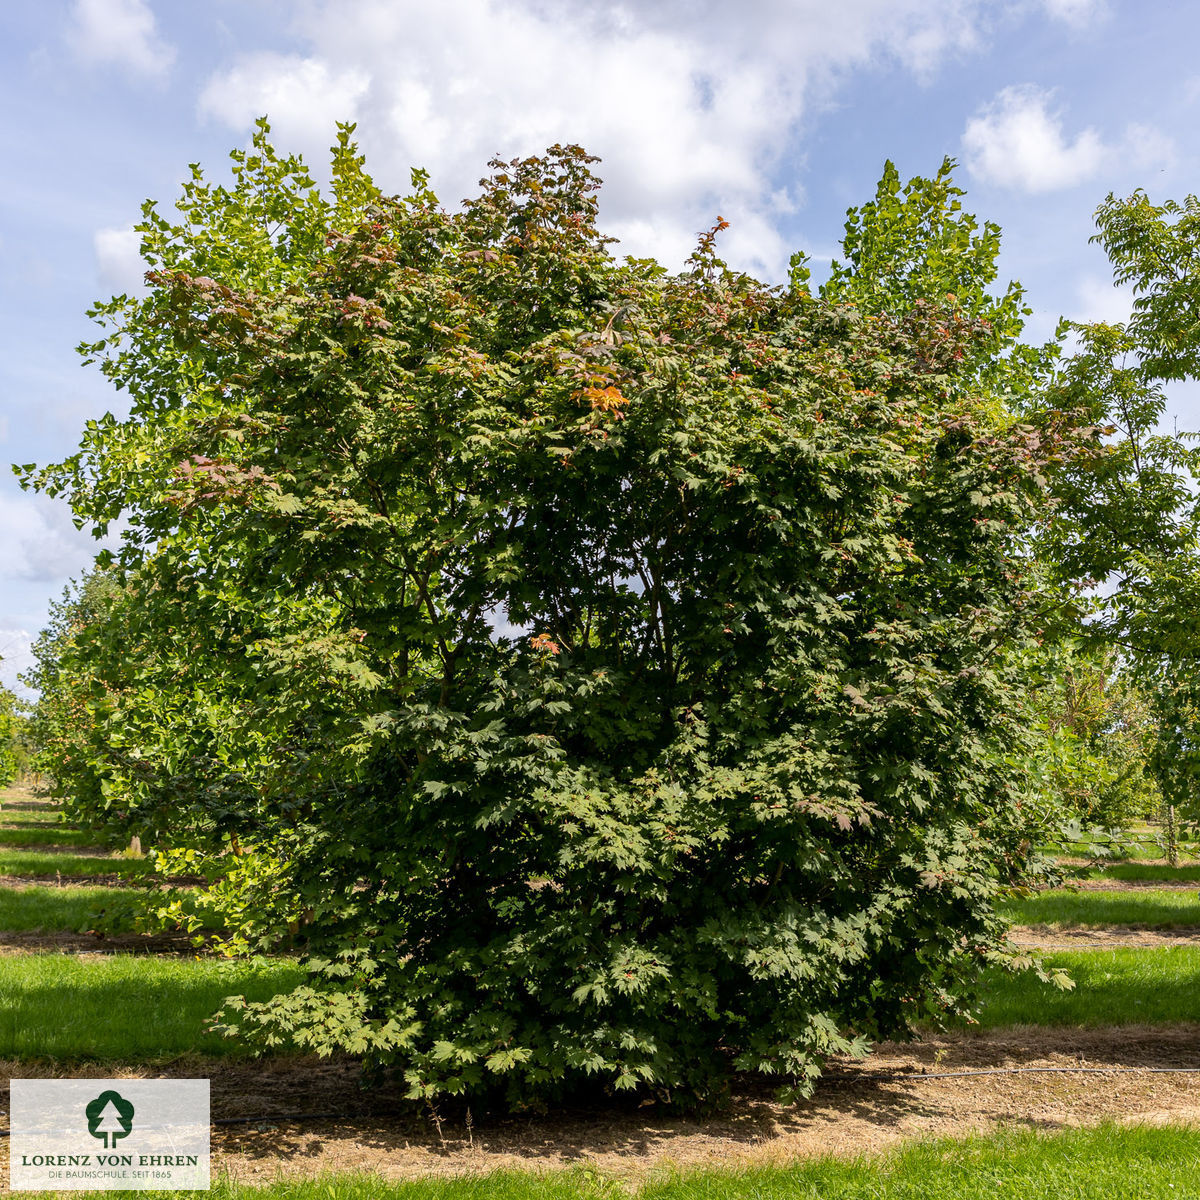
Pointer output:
x,y
605,675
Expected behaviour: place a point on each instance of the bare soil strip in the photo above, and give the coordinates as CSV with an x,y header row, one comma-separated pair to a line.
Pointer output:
x,y
65,881
1102,937
1134,885
851,1114
95,945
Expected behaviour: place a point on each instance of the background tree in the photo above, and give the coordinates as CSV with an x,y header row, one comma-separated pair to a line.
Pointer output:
x,y
14,755
1098,732
1128,512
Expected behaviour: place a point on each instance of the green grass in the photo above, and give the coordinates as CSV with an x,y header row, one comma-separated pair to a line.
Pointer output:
x,y
58,910
1158,985
1065,908
124,1007
1079,1164
36,862
39,816
1152,871
48,835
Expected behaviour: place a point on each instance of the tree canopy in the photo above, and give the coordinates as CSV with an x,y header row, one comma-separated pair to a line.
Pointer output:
x,y
607,675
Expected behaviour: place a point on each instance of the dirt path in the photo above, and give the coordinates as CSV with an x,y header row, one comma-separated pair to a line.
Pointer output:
x,y
1102,937
852,1113
1134,885
91,945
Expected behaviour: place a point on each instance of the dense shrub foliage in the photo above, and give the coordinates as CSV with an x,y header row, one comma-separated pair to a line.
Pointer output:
x,y
604,674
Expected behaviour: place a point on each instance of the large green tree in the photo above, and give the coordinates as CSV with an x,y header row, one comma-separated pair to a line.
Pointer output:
x,y
614,667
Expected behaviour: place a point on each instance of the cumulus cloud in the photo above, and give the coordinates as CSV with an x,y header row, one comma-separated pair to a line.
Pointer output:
x,y
118,259
304,96
120,33
15,658
1017,141
690,105
39,541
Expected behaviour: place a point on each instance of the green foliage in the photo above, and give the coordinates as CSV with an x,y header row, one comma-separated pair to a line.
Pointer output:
x,y
66,728
1097,734
14,753
1128,513
1156,250
915,247
608,676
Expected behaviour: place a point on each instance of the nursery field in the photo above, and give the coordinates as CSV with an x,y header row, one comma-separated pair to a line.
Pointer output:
x,y
1108,1072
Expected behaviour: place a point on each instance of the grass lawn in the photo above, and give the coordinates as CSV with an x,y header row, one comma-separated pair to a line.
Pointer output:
x,y
1155,985
36,817
37,909
1152,871
1067,908
127,1007
122,1006
1080,1164
38,862
57,836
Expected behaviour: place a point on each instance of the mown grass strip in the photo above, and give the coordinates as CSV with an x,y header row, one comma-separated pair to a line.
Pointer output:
x,y
52,837
124,1007
36,817
1155,985
39,862
39,909
1066,909
1149,871
1082,1164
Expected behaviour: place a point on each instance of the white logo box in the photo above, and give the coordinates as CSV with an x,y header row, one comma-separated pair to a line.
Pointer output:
x,y
108,1134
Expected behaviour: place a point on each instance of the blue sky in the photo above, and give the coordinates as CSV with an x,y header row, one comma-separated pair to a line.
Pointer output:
x,y
776,114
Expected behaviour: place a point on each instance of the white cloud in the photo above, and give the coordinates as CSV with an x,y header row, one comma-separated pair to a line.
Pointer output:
x,y
1079,13
1144,146
1102,300
119,33
119,259
1017,142
39,541
15,658
690,104
305,97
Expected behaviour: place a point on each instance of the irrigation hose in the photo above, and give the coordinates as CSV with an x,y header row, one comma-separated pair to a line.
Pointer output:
x,y
846,1077
851,1076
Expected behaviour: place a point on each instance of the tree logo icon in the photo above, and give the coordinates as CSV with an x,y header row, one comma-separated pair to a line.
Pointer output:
x,y
109,1116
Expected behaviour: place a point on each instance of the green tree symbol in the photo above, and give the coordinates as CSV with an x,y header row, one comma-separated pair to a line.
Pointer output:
x,y
109,1116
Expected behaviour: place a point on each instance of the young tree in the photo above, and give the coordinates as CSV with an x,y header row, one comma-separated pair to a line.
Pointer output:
x,y
1128,514
617,664
13,754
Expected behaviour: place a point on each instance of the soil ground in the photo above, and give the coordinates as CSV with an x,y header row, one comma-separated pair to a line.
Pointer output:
x,y
852,1112
1101,937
